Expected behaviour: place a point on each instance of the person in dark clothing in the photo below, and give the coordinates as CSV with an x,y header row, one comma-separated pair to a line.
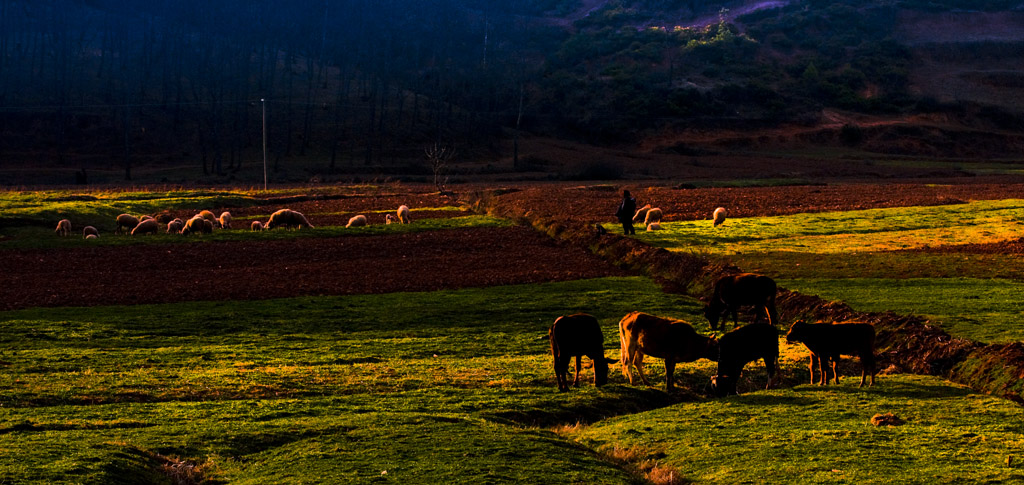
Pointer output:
x,y
625,213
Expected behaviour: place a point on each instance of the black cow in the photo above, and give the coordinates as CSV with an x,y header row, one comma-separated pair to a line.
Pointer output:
x,y
575,336
732,291
738,347
828,341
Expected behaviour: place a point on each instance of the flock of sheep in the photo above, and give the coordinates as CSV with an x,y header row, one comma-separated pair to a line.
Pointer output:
x,y
651,217
205,221
676,340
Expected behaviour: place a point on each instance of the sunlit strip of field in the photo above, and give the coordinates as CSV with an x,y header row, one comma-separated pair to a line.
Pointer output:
x,y
443,387
849,231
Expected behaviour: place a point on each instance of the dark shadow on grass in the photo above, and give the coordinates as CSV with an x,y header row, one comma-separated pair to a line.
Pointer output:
x,y
614,400
910,390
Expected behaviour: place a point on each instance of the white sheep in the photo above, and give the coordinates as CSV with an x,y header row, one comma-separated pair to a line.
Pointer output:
x,y
653,215
126,221
256,226
196,225
403,214
64,227
654,226
388,219
148,226
88,231
225,220
288,218
356,221
719,216
641,213
175,226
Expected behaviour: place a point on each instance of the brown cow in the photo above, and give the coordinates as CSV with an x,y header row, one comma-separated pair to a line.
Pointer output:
x,y
672,340
828,341
575,336
732,291
738,347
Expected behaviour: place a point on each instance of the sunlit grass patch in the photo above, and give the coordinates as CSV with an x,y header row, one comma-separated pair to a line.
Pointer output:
x,y
849,231
811,434
986,310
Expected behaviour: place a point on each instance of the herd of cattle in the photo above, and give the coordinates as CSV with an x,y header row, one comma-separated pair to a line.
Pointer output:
x,y
676,341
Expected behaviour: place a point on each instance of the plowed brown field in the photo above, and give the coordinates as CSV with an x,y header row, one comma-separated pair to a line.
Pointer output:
x,y
127,275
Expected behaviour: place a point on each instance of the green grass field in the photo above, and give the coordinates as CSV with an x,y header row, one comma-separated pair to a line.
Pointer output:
x,y
439,387
851,256
849,231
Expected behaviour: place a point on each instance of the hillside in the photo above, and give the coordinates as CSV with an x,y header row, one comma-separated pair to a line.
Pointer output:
x,y
179,93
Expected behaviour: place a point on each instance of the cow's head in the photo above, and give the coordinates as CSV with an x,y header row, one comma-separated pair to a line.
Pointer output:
x,y
723,385
711,349
712,315
796,331
601,370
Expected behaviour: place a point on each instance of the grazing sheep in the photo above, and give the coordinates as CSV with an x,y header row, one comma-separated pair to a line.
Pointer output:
x,y
356,221
207,226
732,291
575,336
145,218
828,341
672,340
175,226
90,231
64,227
126,221
653,215
403,214
719,216
654,226
194,225
148,226
205,214
225,220
287,218
388,219
641,213
256,226
92,236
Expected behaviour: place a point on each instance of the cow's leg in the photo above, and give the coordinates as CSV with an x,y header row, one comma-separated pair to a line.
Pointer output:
x,y
814,376
638,362
735,316
561,368
835,370
670,368
867,363
769,365
576,381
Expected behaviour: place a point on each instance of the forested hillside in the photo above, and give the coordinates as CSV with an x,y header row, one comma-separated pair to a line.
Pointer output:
x,y
364,86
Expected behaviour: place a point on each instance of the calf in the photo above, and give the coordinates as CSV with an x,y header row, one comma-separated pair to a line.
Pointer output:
x,y
672,340
731,291
828,341
738,347
575,336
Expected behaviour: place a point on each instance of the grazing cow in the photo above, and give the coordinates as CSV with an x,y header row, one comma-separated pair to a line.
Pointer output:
x,y
828,341
575,336
738,347
672,340
731,291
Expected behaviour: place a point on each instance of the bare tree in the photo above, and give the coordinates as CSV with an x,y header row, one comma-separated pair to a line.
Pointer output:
x,y
439,155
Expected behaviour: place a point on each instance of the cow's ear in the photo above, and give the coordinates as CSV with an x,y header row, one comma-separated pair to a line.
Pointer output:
x,y
714,337
703,299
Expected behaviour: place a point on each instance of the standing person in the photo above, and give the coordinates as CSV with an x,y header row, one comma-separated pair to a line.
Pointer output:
x,y
625,213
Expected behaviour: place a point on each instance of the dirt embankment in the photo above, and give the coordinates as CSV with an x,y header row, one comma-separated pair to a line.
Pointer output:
x,y
907,343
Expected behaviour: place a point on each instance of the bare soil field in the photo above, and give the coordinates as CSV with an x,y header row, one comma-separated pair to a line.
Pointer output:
x,y
143,274
598,203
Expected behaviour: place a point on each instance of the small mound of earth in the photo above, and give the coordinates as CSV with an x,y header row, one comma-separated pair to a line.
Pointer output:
x,y
887,419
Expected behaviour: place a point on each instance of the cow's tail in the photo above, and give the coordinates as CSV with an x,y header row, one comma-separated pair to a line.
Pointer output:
x,y
624,356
